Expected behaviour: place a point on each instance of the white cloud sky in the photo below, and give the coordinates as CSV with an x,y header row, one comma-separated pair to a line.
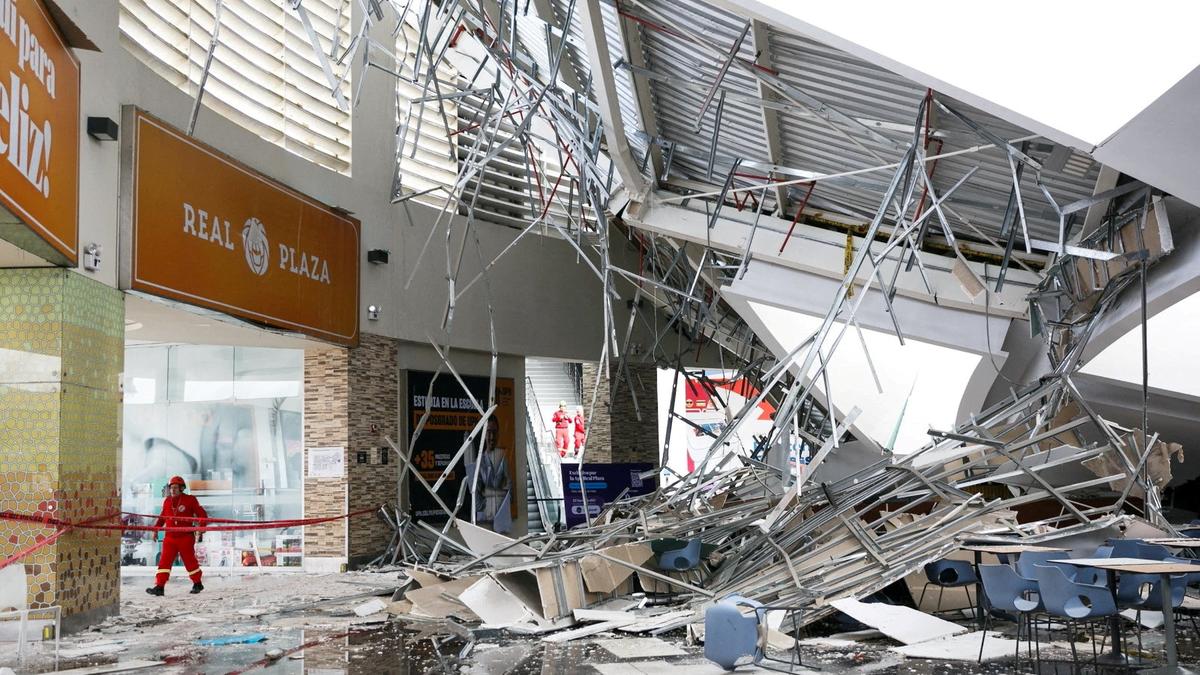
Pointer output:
x,y
1082,68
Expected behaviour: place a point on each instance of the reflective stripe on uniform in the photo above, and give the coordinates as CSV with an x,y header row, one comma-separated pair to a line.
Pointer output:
x,y
166,571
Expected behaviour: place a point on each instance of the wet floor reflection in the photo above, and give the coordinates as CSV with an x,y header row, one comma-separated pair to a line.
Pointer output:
x,y
436,647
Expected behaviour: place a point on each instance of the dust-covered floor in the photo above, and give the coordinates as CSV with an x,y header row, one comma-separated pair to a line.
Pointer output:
x,y
307,624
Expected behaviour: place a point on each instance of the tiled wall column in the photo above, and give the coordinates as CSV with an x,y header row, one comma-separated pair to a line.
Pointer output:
x,y
62,347
351,401
615,435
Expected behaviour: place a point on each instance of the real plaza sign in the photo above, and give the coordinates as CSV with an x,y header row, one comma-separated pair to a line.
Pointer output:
x,y
204,229
39,129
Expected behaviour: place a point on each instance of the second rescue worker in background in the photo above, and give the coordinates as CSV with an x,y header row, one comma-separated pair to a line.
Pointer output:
x,y
562,428
580,429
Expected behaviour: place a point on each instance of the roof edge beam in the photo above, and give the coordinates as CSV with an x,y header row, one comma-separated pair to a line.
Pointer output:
x,y
635,54
823,252
770,116
604,86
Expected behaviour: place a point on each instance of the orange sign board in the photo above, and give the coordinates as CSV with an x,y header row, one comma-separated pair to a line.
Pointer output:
x,y
39,126
207,230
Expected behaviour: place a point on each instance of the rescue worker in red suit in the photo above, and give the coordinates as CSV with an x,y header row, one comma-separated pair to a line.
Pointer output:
x,y
580,430
176,510
562,428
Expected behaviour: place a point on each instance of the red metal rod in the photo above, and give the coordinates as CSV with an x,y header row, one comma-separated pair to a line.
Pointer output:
x,y
799,212
653,25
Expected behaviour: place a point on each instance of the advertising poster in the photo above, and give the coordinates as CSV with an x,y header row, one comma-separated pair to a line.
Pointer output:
x,y
452,416
604,483
707,400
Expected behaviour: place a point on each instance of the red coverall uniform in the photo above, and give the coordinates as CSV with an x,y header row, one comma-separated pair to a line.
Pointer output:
x,y
580,432
562,431
180,544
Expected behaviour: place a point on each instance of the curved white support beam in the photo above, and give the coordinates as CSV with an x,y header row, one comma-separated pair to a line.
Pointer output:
x,y
822,253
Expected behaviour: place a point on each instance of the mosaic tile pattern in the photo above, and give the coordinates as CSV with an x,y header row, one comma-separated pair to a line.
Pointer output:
x,y
62,337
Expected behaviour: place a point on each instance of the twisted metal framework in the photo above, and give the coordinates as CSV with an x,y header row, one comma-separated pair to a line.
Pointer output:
x,y
775,537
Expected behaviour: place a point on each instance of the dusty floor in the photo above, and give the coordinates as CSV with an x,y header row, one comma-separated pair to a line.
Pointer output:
x,y
329,639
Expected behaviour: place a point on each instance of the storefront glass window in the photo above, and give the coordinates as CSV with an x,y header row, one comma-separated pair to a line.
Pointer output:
x,y
229,420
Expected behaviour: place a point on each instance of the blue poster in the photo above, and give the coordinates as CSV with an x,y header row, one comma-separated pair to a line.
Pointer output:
x,y
604,483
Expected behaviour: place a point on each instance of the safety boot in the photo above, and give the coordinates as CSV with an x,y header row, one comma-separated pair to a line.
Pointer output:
x,y
155,590
196,588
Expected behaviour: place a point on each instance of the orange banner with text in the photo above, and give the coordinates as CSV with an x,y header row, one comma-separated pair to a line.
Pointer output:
x,y
209,231
39,126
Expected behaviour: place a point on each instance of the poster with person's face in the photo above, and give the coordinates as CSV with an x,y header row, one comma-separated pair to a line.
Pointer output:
x,y
484,475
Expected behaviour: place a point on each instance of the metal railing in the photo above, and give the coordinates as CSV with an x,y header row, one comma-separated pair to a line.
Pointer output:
x,y
547,503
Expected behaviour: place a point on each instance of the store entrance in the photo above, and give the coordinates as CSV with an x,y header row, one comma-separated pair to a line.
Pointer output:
x,y
226,418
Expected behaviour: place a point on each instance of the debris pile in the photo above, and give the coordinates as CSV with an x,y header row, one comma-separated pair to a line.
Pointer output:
x,y
749,522
752,526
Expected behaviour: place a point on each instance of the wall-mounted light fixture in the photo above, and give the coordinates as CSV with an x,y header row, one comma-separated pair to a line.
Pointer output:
x,y
377,256
373,312
102,128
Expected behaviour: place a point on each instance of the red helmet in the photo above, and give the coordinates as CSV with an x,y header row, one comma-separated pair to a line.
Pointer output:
x,y
177,480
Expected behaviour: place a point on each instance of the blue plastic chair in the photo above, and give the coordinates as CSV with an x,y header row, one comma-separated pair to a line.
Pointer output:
x,y
1143,592
1008,591
1152,551
1189,579
1192,578
1125,548
1028,562
681,559
1066,599
1073,602
949,574
731,638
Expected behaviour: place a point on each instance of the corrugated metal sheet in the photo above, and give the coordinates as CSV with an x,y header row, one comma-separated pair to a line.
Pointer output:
x,y
677,108
881,99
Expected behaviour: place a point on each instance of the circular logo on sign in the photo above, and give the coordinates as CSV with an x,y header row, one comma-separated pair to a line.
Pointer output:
x,y
179,508
254,243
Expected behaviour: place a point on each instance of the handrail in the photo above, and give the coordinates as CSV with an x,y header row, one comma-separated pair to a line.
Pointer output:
x,y
537,475
537,471
531,394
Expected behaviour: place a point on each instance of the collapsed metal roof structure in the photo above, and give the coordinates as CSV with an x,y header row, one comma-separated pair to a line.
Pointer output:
x,y
640,119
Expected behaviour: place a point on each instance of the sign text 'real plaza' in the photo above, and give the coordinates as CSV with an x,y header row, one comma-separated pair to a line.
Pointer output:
x,y
207,230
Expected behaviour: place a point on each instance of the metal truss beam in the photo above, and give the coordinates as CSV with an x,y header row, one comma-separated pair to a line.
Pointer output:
x,y
604,86
820,251
635,54
770,116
